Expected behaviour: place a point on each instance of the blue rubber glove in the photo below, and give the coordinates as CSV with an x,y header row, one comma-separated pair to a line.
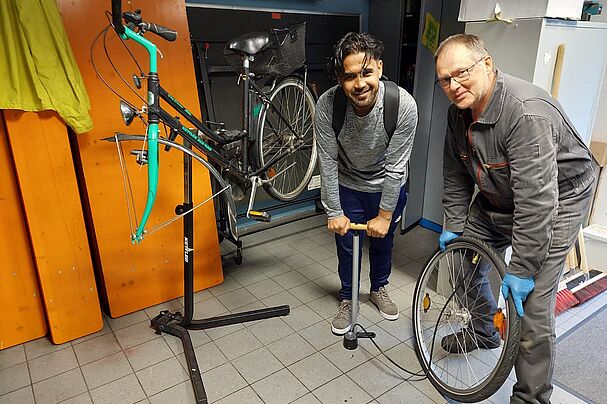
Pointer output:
x,y
520,288
446,237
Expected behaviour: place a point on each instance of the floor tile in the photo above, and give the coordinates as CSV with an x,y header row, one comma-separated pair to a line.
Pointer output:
x,y
42,346
341,390
374,377
264,289
222,381
344,359
238,344
209,308
208,357
84,398
183,393
256,365
327,306
162,376
246,395
61,387
14,378
248,276
125,390
314,371
96,348
106,370
404,393
290,279
291,349
308,292
52,364
307,399
149,353
314,271
12,356
24,395
302,317
229,284
319,335
237,298
135,334
104,331
281,299
281,387
270,330
127,320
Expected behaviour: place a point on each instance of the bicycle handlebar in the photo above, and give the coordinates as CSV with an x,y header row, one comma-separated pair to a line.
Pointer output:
x,y
117,16
164,32
135,19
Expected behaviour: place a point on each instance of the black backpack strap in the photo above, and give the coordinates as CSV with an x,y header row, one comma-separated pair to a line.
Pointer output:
x,y
391,101
339,110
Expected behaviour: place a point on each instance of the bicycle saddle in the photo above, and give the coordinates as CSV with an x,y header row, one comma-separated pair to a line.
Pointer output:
x,y
250,44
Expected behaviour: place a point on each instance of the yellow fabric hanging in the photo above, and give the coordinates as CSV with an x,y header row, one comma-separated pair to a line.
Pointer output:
x,y
37,67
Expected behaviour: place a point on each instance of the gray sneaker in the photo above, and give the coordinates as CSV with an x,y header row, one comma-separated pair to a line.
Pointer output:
x,y
341,322
387,308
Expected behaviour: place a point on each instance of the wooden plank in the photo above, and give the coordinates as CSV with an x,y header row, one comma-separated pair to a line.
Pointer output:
x,y
139,276
47,180
22,316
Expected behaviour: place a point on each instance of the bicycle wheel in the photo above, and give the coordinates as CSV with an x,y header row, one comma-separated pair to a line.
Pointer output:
x,y
459,290
286,125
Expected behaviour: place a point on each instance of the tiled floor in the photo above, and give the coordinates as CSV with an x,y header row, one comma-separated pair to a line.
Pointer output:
x,y
279,360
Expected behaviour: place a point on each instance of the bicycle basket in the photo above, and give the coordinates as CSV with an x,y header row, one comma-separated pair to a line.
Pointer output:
x,y
285,54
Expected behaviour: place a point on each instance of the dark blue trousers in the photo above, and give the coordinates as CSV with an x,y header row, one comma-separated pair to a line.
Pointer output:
x,y
360,207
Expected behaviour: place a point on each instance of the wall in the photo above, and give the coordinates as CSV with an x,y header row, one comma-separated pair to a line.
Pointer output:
x,y
320,6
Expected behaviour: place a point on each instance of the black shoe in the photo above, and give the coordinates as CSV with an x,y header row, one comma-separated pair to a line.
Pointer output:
x,y
468,340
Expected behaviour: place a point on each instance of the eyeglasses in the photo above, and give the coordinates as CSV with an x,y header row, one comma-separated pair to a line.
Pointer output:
x,y
461,77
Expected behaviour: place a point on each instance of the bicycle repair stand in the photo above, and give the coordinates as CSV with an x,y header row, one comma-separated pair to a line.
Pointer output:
x,y
351,337
177,324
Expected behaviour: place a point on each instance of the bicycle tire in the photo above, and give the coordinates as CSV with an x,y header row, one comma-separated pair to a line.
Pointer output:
x,y
496,378
273,136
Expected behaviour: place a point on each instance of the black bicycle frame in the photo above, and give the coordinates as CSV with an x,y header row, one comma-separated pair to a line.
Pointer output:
x,y
213,151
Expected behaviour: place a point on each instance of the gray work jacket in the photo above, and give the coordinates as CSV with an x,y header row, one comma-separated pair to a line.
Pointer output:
x,y
524,154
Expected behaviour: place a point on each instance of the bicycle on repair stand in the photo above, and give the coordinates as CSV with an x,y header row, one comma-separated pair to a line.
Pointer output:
x,y
275,147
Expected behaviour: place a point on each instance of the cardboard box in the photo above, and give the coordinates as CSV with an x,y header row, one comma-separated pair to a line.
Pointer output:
x,y
483,10
599,151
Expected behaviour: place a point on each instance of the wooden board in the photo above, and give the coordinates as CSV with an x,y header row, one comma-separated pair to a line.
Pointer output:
x,y
22,316
139,276
47,180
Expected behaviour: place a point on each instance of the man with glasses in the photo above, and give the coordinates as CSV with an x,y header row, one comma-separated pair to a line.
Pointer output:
x,y
363,169
534,176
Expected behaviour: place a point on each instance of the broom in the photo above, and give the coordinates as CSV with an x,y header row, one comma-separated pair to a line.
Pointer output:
x,y
564,297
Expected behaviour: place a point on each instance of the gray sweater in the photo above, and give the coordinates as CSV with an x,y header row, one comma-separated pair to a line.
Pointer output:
x,y
362,158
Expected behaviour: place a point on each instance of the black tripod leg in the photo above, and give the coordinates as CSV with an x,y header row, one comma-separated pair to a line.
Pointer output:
x,y
162,323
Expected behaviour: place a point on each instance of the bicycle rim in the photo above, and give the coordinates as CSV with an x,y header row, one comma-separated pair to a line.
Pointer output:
x,y
447,300
291,174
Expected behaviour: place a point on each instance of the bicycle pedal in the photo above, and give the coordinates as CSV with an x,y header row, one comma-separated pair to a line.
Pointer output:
x,y
260,216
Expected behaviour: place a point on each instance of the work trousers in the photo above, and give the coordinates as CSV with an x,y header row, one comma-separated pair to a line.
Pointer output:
x,y
534,364
360,207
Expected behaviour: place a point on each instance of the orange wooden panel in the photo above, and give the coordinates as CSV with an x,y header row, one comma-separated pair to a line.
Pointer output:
x,y
45,171
151,272
22,317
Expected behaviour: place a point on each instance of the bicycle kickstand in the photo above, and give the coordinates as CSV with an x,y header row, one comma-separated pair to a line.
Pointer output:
x,y
256,214
351,337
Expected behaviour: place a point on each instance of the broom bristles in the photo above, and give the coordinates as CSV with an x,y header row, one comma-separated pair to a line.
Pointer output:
x,y
564,301
589,291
